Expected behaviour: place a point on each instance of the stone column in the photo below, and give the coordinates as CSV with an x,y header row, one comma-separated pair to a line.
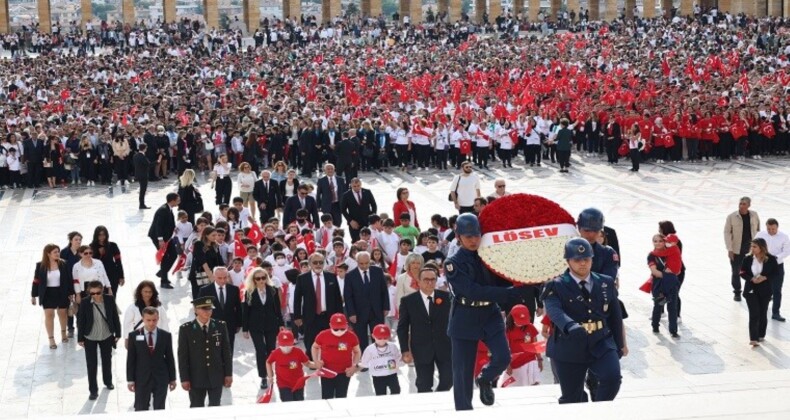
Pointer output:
x,y
518,8
775,8
573,5
786,11
86,12
629,9
666,8
330,9
291,9
211,13
252,15
611,10
648,9
5,26
127,10
454,10
415,11
686,7
494,10
375,8
594,6
555,8
480,10
169,10
534,10
44,17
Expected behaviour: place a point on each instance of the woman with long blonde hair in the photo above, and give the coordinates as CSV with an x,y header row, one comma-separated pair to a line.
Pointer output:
x,y
262,316
191,200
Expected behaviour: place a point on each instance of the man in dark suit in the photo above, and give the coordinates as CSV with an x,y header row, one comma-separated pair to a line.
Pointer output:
x,y
347,151
311,147
160,232
150,364
228,300
302,200
366,297
267,194
34,157
422,332
357,205
330,190
316,297
141,169
205,363
149,139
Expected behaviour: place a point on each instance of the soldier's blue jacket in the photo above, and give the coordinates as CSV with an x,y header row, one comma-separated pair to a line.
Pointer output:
x,y
605,260
469,279
565,305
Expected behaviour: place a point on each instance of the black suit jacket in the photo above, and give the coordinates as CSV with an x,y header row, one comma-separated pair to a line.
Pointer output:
x,y
270,196
141,165
346,151
292,204
311,142
142,366
259,317
163,225
369,300
358,212
231,311
33,150
85,317
324,195
425,337
305,298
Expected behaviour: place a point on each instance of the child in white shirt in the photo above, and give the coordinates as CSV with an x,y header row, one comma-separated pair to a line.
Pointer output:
x,y
237,272
383,359
388,240
183,227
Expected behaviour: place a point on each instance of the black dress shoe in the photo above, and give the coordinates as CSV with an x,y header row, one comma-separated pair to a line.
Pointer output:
x,y
110,386
93,396
264,384
778,317
166,286
737,297
144,207
486,391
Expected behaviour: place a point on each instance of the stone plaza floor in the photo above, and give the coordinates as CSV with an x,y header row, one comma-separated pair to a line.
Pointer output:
x,y
36,381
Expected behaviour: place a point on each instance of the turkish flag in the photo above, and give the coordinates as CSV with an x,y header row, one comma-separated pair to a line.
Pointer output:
x,y
647,286
326,373
520,359
255,235
267,396
238,249
537,347
466,146
161,253
508,381
180,263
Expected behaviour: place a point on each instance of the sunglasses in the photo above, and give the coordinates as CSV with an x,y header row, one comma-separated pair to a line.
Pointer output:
x,y
338,329
500,186
317,263
259,278
95,293
87,253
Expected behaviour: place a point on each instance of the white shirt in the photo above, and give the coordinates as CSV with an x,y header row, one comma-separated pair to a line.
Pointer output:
x,y
131,316
467,187
82,274
778,245
425,301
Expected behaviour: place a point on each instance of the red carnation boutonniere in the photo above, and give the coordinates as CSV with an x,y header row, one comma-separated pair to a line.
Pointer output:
x,y
439,301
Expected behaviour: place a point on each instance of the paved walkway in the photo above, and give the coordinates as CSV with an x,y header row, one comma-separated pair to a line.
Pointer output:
x,y
36,381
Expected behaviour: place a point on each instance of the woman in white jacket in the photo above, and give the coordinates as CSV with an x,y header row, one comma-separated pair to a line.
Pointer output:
x,y
86,270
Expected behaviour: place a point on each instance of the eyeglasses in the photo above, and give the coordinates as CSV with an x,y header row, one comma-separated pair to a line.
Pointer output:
x,y
95,293
259,278
317,262
467,167
429,279
338,329
87,253
500,186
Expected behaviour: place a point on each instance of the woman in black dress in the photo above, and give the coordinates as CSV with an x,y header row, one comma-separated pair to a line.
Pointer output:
x,y
191,200
53,161
110,255
261,316
205,256
54,287
758,269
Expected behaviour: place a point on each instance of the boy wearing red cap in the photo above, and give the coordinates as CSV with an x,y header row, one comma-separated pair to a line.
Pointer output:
x,y
286,362
336,349
519,331
383,359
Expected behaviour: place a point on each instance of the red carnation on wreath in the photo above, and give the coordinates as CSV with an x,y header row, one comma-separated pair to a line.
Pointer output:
x,y
524,238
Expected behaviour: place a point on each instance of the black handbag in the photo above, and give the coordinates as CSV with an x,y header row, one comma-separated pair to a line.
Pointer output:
x,y
450,196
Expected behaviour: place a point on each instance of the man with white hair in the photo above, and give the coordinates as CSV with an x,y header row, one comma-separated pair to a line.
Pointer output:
x,y
228,302
366,297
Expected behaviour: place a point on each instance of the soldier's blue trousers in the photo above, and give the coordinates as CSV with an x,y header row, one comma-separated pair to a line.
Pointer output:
x,y
606,369
464,354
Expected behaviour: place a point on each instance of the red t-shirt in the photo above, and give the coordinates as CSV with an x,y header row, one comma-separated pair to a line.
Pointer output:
x,y
517,336
287,367
336,352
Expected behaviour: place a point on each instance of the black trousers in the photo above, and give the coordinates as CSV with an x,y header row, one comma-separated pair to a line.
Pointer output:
x,y
635,157
287,394
34,174
264,343
168,260
143,393
735,267
336,387
382,383
564,158
92,348
337,215
757,302
355,232
197,397
402,151
532,154
122,170
223,188
425,369
776,289
143,189
363,326
482,156
441,159
611,151
311,330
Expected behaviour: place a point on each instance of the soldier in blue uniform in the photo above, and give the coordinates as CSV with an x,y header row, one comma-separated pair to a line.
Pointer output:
x,y
588,326
475,316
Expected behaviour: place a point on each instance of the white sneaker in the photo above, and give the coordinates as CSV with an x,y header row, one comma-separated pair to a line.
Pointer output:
x,y
118,183
680,320
79,182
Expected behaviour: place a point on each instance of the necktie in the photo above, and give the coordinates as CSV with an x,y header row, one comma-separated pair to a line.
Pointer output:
x,y
318,307
430,304
205,330
585,292
222,297
359,198
332,190
151,342
365,276
301,200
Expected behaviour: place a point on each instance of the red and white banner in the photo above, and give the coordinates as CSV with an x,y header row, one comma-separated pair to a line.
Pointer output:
x,y
528,234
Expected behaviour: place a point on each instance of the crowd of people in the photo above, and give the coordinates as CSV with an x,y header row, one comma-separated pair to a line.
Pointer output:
x,y
367,96
314,260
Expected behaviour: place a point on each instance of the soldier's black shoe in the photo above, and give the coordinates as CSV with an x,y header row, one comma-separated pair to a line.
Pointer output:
x,y
264,384
737,297
486,391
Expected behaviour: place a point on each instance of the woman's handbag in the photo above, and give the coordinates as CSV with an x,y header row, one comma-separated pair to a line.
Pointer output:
x,y
201,278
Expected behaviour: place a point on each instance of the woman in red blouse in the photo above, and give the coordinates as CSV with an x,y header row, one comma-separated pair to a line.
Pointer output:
x,y
403,205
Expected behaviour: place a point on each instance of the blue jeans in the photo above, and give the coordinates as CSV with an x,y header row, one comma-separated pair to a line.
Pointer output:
x,y
668,286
